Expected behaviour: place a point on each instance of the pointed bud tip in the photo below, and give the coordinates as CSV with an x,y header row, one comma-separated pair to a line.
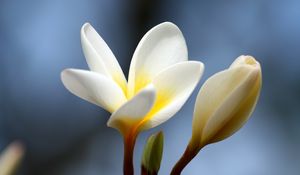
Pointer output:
x,y
245,60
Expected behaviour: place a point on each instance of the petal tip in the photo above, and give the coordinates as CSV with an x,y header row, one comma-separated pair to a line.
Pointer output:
x,y
68,71
86,25
168,26
168,23
171,26
198,66
64,73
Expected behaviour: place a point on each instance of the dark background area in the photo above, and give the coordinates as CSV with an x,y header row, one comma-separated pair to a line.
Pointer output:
x,y
65,135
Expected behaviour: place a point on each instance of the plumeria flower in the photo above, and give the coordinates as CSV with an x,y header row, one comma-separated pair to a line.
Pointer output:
x,y
160,79
224,104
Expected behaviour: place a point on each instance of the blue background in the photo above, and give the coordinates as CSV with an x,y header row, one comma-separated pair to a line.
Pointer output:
x,y
65,135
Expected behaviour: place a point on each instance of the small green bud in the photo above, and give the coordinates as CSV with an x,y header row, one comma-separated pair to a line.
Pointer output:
x,y
152,154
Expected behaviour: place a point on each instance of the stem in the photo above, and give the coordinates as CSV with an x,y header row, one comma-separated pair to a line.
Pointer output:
x,y
145,172
187,156
129,143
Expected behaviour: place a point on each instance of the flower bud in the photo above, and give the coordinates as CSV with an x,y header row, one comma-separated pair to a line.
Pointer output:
x,y
152,155
10,158
226,101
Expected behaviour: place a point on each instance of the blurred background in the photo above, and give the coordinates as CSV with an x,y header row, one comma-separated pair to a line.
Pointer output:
x,y
65,135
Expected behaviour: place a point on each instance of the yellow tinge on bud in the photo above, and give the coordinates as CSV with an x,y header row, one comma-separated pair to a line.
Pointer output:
x,y
226,101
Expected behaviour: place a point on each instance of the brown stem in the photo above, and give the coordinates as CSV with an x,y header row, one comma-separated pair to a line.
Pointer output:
x,y
187,156
143,170
129,142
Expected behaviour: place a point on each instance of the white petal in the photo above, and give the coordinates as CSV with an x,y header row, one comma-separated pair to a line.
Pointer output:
x,y
173,85
162,46
99,57
133,112
94,87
